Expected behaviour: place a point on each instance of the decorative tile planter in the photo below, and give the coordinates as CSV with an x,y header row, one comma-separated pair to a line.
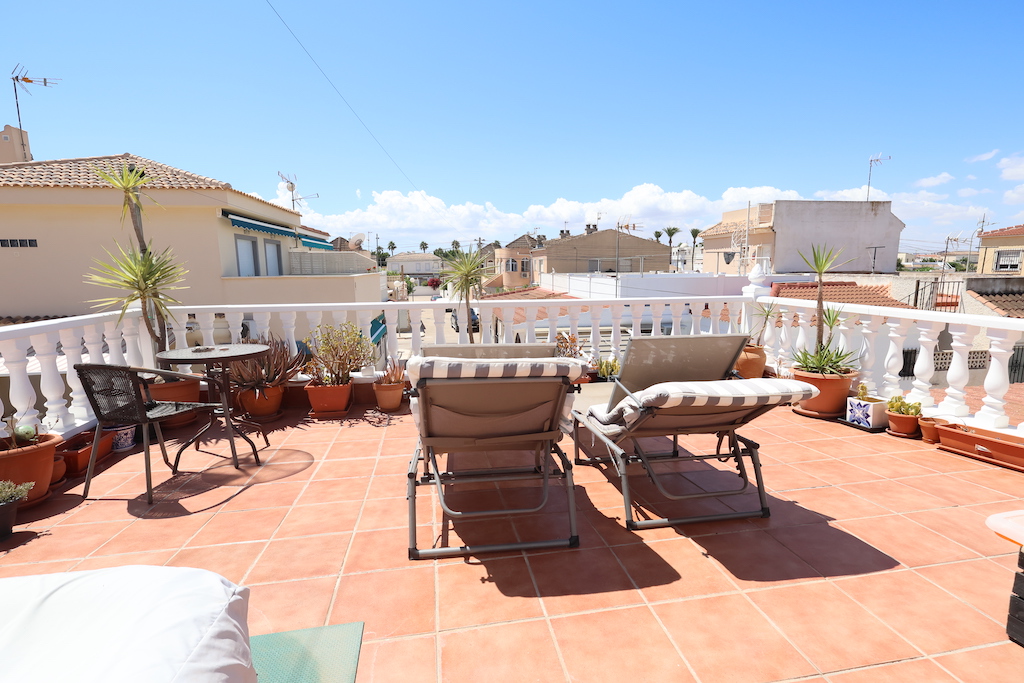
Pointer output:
x,y
868,413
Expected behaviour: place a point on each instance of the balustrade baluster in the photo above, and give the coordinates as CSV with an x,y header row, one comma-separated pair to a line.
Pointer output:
x,y
130,332
51,384
71,346
531,324
677,314
180,330
636,313
574,319
439,325
508,315
997,380
958,375
391,325
234,320
924,366
415,320
870,373
617,312
594,314
657,315
206,322
898,328
261,321
693,319
22,395
288,327
488,323
553,313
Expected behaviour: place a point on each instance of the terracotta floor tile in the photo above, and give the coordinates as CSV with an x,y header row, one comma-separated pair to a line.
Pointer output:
x,y
836,504
722,615
388,486
404,446
788,478
963,525
364,448
896,496
667,570
848,446
755,559
583,642
577,580
788,452
334,490
795,433
942,462
916,671
57,543
485,591
264,496
398,661
907,541
347,467
231,561
386,549
835,471
955,490
156,558
885,596
998,664
155,534
390,513
300,558
239,526
522,651
889,466
319,434
984,584
829,628
997,478
831,551
389,603
321,518
289,605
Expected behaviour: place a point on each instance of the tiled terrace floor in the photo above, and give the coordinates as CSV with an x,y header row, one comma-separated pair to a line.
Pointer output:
x,y
876,564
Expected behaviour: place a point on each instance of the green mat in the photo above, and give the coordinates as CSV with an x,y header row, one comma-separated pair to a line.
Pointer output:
x,y
328,654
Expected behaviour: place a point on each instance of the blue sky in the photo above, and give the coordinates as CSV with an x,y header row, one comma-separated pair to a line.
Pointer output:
x,y
521,116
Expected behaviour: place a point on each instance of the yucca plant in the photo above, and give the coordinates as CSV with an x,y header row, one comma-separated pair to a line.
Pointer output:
x,y
129,180
465,272
394,373
273,369
143,276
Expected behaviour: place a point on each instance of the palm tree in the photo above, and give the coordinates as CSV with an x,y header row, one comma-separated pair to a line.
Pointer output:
x,y
657,235
465,272
670,233
456,246
694,234
823,259
423,247
128,180
392,247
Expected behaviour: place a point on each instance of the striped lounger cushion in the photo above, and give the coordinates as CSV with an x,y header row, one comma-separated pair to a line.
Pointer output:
x,y
733,393
430,367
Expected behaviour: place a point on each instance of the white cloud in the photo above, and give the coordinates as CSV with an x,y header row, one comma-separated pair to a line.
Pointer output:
x,y
854,194
970,192
982,157
1013,168
925,206
972,177
934,180
359,193
1014,196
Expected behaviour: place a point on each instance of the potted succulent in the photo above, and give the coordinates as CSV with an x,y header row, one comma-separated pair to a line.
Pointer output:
x,y
750,364
607,369
903,418
825,367
260,382
10,495
866,411
334,353
389,387
28,456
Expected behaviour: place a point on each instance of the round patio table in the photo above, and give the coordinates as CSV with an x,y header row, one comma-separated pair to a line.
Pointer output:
x,y
216,358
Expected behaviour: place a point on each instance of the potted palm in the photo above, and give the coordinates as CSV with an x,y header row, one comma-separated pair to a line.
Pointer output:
x,y
464,272
334,353
259,383
827,368
28,456
10,495
389,387
750,364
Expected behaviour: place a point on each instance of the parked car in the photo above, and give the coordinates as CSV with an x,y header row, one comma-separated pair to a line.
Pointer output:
x,y
474,320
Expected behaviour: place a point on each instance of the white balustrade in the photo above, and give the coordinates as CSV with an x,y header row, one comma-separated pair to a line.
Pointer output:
x,y
997,380
924,366
894,356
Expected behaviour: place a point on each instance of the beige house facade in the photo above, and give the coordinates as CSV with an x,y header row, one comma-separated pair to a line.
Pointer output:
x,y
1001,251
776,234
516,264
418,265
58,218
603,251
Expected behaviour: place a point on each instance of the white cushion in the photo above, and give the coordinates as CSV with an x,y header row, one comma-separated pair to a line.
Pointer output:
x,y
125,624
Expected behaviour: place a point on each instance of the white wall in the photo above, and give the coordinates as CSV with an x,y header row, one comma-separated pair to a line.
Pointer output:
x,y
853,226
600,286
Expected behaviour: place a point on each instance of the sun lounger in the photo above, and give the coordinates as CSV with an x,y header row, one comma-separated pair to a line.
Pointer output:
x,y
532,350
471,409
672,386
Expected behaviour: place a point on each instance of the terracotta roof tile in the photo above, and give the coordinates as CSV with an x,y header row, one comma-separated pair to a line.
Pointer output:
x,y
1011,231
532,293
729,228
839,293
1009,305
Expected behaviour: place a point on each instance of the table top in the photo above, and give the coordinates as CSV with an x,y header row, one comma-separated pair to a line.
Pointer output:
x,y
213,354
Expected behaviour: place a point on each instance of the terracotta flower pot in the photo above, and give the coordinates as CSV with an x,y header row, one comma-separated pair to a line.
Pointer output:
x,y
750,364
831,401
389,396
31,463
930,428
76,451
264,406
8,514
185,391
903,425
330,401
60,468
986,445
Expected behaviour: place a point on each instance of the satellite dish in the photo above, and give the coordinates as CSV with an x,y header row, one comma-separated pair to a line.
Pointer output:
x,y
356,243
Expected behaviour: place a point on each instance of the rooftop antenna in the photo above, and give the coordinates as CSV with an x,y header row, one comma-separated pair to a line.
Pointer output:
x,y
289,183
19,77
872,162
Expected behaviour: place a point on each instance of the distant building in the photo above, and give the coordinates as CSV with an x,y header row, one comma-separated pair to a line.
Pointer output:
x,y
1000,251
516,262
595,251
777,233
419,266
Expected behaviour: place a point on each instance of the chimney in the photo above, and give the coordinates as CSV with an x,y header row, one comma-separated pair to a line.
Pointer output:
x,y
563,233
591,229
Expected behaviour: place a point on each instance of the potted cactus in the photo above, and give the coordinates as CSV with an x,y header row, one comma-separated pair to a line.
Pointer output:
x,y
389,387
10,495
903,418
27,456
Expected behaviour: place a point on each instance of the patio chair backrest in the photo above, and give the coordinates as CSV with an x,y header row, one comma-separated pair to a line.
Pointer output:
x,y
679,358
115,393
534,350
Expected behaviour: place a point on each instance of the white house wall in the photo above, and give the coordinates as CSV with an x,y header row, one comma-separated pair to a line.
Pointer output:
x,y
853,226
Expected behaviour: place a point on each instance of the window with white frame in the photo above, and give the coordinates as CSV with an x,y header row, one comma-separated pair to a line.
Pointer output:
x,y
272,252
247,255
1008,260
510,265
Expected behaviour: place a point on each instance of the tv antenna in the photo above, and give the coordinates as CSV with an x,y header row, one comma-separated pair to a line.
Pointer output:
x,y
289,183
872,162
19,79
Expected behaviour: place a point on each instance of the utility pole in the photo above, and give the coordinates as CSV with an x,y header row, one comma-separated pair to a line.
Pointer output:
x,y
874,253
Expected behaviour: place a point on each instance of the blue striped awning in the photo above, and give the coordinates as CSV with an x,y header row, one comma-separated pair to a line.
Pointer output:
x,y
272,229
377,328
317,243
